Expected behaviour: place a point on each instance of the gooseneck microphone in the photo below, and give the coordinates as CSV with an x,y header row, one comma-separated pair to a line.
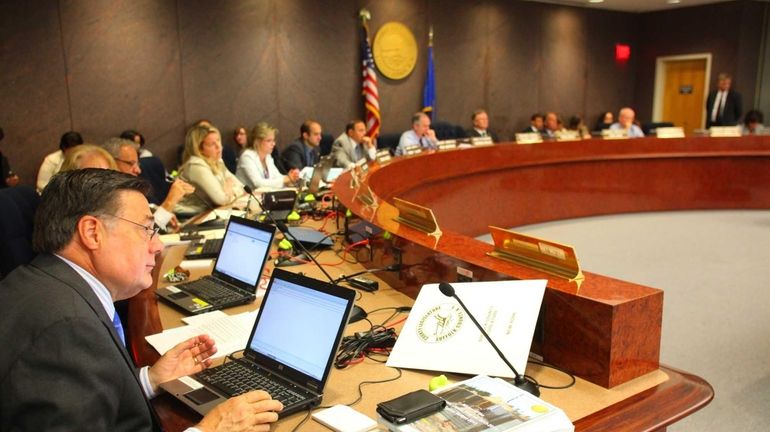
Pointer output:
x,y
520,381
285,230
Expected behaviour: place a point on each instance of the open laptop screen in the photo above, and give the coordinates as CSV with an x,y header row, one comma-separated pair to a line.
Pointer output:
x,y
242,245
298,327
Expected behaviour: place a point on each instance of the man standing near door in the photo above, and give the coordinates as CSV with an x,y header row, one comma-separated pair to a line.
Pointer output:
x,y
723,105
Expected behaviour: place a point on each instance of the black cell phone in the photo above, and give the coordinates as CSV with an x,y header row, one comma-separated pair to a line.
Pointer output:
x,y
410,407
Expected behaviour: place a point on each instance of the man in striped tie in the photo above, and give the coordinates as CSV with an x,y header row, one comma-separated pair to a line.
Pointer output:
x,y
419,135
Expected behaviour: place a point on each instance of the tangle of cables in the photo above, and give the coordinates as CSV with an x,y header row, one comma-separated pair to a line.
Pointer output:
x,y
374,344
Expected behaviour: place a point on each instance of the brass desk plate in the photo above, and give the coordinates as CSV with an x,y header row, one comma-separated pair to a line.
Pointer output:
x,y
416,216
528,138
544,255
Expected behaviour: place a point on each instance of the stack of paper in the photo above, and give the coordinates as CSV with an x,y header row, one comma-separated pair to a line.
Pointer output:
x,y
230,332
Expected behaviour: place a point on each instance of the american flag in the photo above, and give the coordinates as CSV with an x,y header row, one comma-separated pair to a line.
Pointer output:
x,y
369,86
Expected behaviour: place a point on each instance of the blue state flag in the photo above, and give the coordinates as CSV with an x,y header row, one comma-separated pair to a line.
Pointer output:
x,y
429,92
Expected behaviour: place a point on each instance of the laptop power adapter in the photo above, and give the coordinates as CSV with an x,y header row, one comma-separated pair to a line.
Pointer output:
x,y
364,284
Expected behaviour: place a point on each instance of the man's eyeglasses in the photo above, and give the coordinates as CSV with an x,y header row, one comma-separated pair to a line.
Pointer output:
x,y
151,232
129,163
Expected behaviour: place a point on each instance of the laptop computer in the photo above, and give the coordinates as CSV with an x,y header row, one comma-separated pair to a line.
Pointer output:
x,y
289,353
204,248
280,203
238,269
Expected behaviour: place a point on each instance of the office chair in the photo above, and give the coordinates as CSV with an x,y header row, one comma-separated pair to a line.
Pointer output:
x,y
648,128
388,141
326,144
445,130
155,173
16,220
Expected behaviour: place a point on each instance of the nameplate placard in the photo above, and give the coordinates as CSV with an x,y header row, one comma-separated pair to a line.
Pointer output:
x,y
528,138
446,145
610,134
367,197
669,132
544,255
482,141
567,135
725,131
382,156
412,150
416,216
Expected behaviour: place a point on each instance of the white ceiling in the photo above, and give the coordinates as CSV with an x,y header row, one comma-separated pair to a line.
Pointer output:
x,y
632,5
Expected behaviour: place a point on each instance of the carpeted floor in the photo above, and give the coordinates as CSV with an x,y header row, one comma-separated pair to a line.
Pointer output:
x,y
714,267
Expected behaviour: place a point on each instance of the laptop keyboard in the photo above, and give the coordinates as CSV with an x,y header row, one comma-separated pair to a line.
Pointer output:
x,y
235,378
212,246
212,290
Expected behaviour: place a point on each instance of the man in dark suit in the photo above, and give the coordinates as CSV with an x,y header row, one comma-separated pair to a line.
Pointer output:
x,y
535,124
723,105
480,120
65,365
304,151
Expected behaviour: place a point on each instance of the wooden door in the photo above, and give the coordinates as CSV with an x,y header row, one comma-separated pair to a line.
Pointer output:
x,y
683,98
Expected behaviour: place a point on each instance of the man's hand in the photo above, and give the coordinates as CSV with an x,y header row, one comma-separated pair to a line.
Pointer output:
x,y
368,141
187,358
177,190
292,176
431,134
252,411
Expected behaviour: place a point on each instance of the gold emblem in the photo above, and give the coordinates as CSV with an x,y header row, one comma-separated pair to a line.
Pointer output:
x,y
395,50
440,323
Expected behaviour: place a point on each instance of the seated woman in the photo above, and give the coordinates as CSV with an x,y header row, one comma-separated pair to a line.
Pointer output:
x,y
203,168
87,156
605,121
256,166
576,124
752,123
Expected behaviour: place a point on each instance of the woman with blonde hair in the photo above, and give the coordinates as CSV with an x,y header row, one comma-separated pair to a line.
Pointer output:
x,y
87,156
256,166
202,167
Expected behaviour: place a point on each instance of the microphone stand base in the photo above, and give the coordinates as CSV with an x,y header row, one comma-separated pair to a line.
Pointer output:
x,y
527,385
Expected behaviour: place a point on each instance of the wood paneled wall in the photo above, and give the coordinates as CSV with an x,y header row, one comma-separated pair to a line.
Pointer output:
x,y
101,67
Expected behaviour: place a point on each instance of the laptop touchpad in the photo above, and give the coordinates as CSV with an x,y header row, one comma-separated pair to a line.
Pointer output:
x,y
179,295
201,396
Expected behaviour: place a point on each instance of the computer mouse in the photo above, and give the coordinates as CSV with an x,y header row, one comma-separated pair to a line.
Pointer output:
x,y
356,314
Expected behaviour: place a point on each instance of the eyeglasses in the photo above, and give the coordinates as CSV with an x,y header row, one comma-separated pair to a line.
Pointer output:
x,y
151,232
129,163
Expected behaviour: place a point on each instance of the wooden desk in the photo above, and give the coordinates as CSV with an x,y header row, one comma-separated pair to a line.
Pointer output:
x,y
591,407
607,331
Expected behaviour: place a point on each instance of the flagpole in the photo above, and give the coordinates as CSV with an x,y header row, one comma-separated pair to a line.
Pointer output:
x,y
369,92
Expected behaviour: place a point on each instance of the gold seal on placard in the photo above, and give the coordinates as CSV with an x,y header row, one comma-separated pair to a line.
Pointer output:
x,y
395,50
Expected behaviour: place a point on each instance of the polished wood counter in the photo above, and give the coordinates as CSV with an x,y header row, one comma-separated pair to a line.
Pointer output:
x,y
607,331
647,403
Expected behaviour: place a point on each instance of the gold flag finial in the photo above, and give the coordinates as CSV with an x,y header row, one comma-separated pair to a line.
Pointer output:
x,y
365,15
430,36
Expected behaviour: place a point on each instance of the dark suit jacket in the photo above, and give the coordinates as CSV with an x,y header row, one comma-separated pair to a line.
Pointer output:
x,y
293,156
731,115
62,366
471,133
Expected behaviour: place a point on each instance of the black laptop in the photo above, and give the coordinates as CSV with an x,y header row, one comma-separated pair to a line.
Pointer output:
x,y
238,269
280,203
289,353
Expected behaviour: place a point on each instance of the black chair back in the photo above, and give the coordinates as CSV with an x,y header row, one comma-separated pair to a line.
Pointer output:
x,y
18,206
155,173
